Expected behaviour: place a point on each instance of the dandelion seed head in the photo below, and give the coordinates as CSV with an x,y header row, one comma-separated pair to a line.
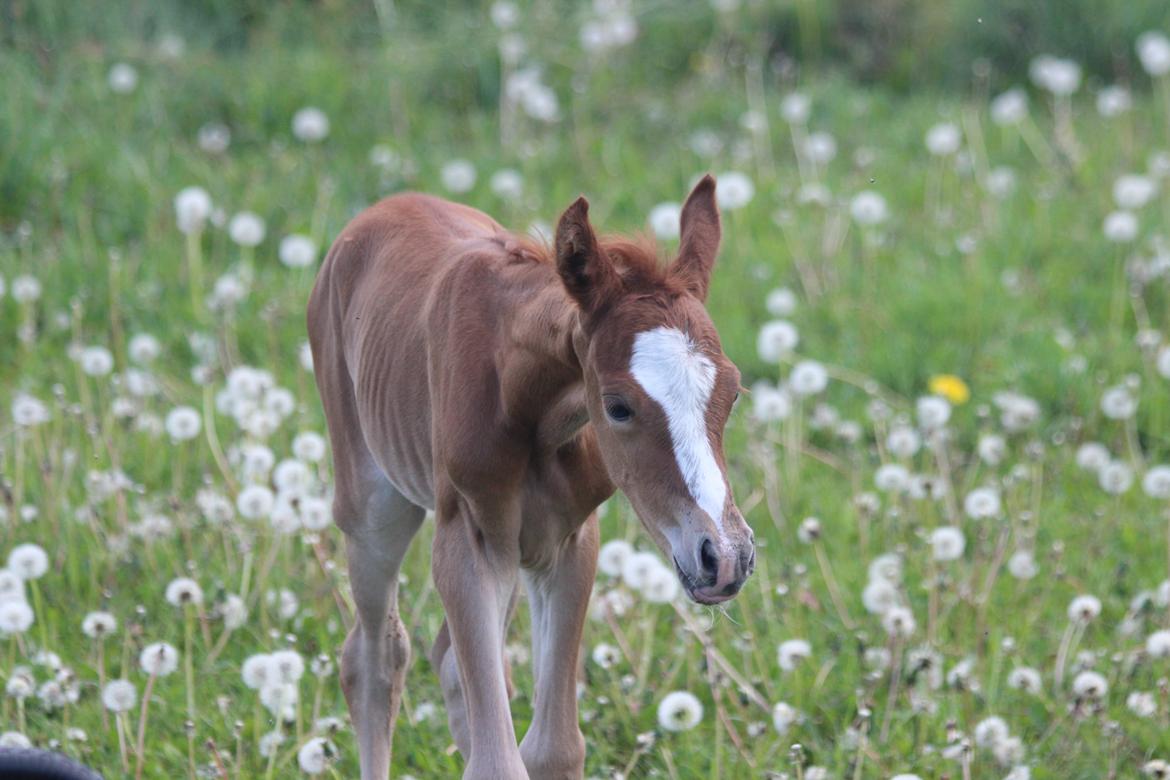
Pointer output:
x,y
679,711
159,659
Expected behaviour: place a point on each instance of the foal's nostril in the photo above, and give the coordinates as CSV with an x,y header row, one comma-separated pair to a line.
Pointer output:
x,y
708,561
750,556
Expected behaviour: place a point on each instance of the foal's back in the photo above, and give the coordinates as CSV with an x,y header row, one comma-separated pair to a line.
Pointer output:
x,y
393,271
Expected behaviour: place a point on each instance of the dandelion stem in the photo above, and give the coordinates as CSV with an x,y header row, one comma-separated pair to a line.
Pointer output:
x,y
188,663
895,683
195,270
831,583
140,749
119,726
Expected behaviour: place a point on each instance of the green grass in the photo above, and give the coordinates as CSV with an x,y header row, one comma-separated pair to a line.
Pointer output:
x,y
87,182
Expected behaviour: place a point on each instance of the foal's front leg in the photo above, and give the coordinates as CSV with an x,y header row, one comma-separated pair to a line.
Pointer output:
x,y
475,575
553,748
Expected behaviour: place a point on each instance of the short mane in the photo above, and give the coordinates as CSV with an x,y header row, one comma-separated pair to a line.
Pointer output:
x,y
636,257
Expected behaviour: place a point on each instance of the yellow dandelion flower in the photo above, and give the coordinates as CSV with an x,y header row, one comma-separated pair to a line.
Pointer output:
x,y
950,387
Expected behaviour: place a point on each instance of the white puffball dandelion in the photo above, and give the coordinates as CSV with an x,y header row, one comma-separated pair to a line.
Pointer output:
x,y
246,229
258,671
1118,403
309,446
1009,108
879,597
1022,565
122,78
776,339
1153,49
891,478
29,561
1158,644
234,612
119,696
868,208
736,190
315,755
887,566
96,361
183,591
781,302
638,567
792,652
606,656
820,148
1093,456
11,586
1156,482
144,348
98,625
784,717
1083,609
1026,679
944,139
1060,76
16,617
310,125
795,107
991,731
947,543
458,176
809,530
664,220
183,423
770,403
193,208
982,503
903,441
1132,191
214,137
679,711
933,412
507,184
808,377
298,251
898,621
612,556
1090,685
1120,227
26,288
255,502
28,412
1115,478
159,659
1113,100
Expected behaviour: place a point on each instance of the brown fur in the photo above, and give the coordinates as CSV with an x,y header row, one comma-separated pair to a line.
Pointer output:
x,y
464,368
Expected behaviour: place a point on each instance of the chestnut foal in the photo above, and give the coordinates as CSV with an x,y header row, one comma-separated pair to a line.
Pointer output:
x,y
465,371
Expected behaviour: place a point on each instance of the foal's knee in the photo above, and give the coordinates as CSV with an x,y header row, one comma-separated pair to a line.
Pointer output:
x,y
369,660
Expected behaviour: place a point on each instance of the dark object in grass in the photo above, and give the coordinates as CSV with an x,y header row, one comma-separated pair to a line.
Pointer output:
x,y
33,764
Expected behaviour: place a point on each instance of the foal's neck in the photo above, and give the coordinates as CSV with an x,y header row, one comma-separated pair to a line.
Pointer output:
x,y
543,385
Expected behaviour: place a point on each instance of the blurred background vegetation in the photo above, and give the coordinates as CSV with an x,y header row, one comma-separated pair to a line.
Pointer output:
x,y
901,44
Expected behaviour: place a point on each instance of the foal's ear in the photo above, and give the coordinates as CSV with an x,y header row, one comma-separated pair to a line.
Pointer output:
x,y
585,269
700,234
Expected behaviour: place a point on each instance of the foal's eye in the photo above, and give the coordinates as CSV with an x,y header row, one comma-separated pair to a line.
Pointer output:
x,y
618,411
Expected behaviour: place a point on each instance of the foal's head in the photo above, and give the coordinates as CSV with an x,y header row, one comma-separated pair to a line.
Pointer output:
x,y
660,389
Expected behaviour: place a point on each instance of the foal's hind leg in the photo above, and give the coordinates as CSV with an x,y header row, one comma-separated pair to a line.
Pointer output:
x,y
377,650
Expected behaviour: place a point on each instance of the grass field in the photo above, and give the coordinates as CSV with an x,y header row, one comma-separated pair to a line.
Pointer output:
x,y
964,536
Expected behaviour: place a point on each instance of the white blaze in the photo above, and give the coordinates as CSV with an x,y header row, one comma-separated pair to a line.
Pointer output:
x,y
680,378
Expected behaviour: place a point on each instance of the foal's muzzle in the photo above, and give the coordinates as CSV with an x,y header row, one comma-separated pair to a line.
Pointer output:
x,y
717,572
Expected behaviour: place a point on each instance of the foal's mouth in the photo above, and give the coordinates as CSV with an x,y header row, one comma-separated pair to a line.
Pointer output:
x,y
701,594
